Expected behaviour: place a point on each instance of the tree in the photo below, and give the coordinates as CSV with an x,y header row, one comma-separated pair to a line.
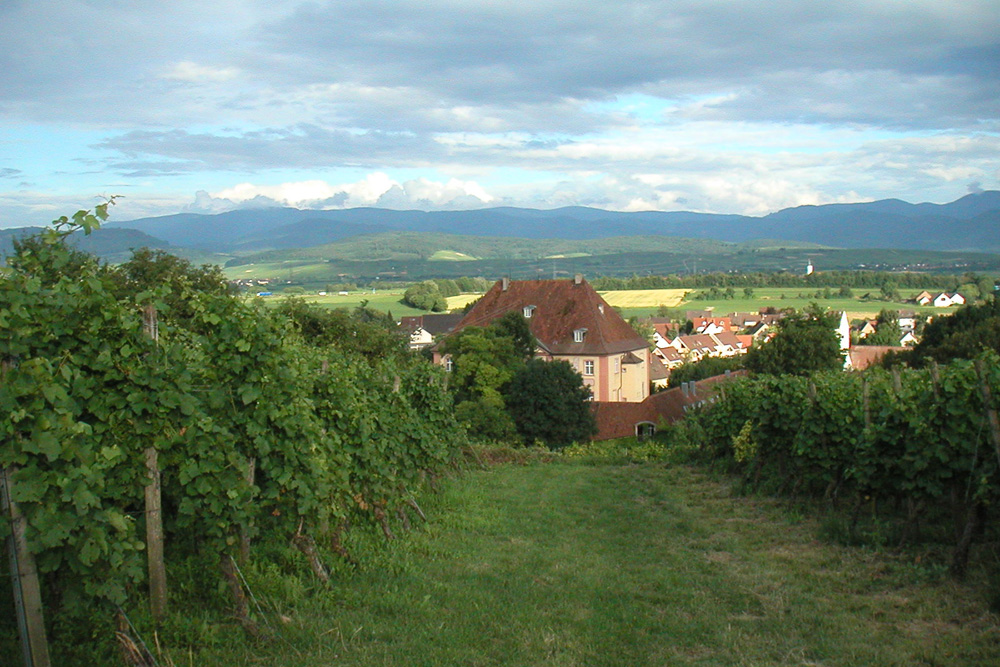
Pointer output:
x,y
704,368
426,296
362,330
889,291
549,403
963,335
513,325
887,331
805,343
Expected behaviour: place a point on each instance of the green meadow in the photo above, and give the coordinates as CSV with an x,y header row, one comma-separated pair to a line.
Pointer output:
x,y
570,563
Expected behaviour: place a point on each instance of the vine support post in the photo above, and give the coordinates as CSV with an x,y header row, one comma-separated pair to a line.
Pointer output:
x,y
24,579
154,511
250,478
988,408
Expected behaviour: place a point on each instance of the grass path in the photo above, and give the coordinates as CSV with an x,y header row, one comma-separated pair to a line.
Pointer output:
x,y
642,565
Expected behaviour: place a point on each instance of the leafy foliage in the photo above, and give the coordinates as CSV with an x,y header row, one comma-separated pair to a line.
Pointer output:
x,y
426,296
281,422
549,403
968,332
918,439
805,343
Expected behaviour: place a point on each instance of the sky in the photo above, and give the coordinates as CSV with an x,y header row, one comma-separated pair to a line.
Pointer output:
x,y
718,106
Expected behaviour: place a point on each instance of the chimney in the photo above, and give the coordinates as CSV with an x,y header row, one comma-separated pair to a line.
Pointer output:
x,y
504,284
578,279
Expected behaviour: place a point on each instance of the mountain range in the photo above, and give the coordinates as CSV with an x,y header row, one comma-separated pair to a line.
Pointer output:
x,y
969,223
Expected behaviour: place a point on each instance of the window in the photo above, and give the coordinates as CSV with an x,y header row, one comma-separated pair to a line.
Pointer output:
x,y
578,335
448,364
528,310
588,367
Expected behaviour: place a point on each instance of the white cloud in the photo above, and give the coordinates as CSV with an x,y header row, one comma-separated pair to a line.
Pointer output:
x,y
375,189
192,72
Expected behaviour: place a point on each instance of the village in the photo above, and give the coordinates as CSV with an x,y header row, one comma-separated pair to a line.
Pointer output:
x,y
627,372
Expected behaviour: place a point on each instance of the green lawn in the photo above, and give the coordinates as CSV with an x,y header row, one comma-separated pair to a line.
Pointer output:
x,y
572,564
383,300
793,297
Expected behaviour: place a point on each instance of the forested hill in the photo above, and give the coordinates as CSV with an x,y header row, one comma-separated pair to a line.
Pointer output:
x,y
972,222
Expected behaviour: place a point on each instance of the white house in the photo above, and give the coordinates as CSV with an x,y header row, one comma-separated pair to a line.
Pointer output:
x,y
944,300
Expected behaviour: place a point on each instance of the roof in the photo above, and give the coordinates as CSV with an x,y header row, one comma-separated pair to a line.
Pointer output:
x,y
729,338
434,324
702,323
657,371
701,342
668,354
561,307
863,356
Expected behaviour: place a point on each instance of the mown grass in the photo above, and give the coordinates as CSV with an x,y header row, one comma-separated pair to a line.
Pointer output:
x,y
577,563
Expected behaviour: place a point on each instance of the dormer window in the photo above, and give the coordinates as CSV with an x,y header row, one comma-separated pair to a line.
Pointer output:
x,y
528,310
578,335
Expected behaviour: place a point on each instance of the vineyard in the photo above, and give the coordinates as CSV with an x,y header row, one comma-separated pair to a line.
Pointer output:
x,y
152,422
917,449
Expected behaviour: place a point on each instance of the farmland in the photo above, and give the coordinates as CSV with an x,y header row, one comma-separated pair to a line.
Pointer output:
x,y
644,303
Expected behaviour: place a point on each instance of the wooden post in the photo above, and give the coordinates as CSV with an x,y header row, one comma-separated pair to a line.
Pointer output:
x,y
154,511
866,403
989,409
250,477
935,377
24,576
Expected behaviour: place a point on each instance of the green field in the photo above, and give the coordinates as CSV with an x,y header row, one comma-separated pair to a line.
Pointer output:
x,y
383,300
643,303
789,297
625,566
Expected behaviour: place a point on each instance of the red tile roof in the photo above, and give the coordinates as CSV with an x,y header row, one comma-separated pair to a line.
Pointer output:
x,y
561,307
863,356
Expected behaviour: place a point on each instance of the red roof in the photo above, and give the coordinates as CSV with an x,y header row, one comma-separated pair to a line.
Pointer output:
x,y
560,308
863,356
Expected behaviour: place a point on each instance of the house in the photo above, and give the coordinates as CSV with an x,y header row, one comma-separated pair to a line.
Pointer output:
x,y
669,356
863,356
924,298
663,333
659,374
730,344
864,329
697,346
424,329
760,332
907,320
944,300
908,339
711,325
742,321
571,322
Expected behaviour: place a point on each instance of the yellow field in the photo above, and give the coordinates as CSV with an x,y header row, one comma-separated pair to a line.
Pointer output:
x,y
460,301
645,298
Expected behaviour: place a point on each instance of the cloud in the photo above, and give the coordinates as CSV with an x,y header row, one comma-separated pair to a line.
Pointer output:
x,y
303,146
726,106
376,189
194,73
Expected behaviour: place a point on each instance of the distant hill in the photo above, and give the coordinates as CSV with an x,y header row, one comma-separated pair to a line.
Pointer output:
x,y
110,244
970,223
